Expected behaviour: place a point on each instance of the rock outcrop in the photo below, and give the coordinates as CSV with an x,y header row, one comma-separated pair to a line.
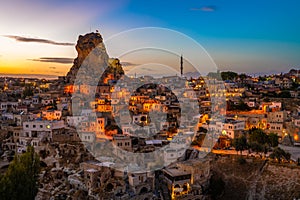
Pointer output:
x,y
85,44
93,42
255,179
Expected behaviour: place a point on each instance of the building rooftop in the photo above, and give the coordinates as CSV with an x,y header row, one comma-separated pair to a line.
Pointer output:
x,y
176,172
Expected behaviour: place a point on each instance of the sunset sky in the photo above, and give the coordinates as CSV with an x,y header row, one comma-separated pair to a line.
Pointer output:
x,y
39,37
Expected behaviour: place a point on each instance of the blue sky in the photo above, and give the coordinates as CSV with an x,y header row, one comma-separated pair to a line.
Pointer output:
x,y
245,36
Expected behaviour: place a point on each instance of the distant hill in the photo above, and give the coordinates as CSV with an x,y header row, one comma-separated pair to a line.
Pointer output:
x,y
38,76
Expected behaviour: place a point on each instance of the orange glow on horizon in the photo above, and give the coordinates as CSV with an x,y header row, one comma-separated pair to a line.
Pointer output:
x,y
23,58
33,67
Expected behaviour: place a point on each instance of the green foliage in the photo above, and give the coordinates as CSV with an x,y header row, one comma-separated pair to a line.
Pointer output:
x,y
20,180
262,78
28,91
284,94
240,143
273,139
242,106
228,75
295,85
255,146
243,76
260,141
280,154
258,136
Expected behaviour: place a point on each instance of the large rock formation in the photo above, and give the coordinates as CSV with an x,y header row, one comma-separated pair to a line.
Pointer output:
x,y
85,45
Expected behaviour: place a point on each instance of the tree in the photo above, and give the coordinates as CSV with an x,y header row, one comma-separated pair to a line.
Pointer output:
x,y
295,85
242,76
240,144
259,136
256,147
285,94
228,75
262,78
242,106
280,154
28,91
20,180
273,139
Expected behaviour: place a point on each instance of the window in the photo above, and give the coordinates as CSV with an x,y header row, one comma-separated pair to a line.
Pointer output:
x,y
33,126
26,125
141,178
41,126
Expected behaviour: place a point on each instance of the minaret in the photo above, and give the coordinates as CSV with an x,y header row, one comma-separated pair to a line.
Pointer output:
x,y
181,66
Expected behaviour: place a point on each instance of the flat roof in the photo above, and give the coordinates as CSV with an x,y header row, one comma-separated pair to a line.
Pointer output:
x,y
176,172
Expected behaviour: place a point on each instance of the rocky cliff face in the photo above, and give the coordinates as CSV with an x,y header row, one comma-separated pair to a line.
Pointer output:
x,y
255,179
85,45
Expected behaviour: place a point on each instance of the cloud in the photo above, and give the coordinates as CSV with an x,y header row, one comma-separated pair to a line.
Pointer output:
x,y
125,64
37,40
205,9
54,60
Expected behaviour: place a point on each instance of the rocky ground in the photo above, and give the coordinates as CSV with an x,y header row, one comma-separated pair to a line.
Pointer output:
x,y
255,179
